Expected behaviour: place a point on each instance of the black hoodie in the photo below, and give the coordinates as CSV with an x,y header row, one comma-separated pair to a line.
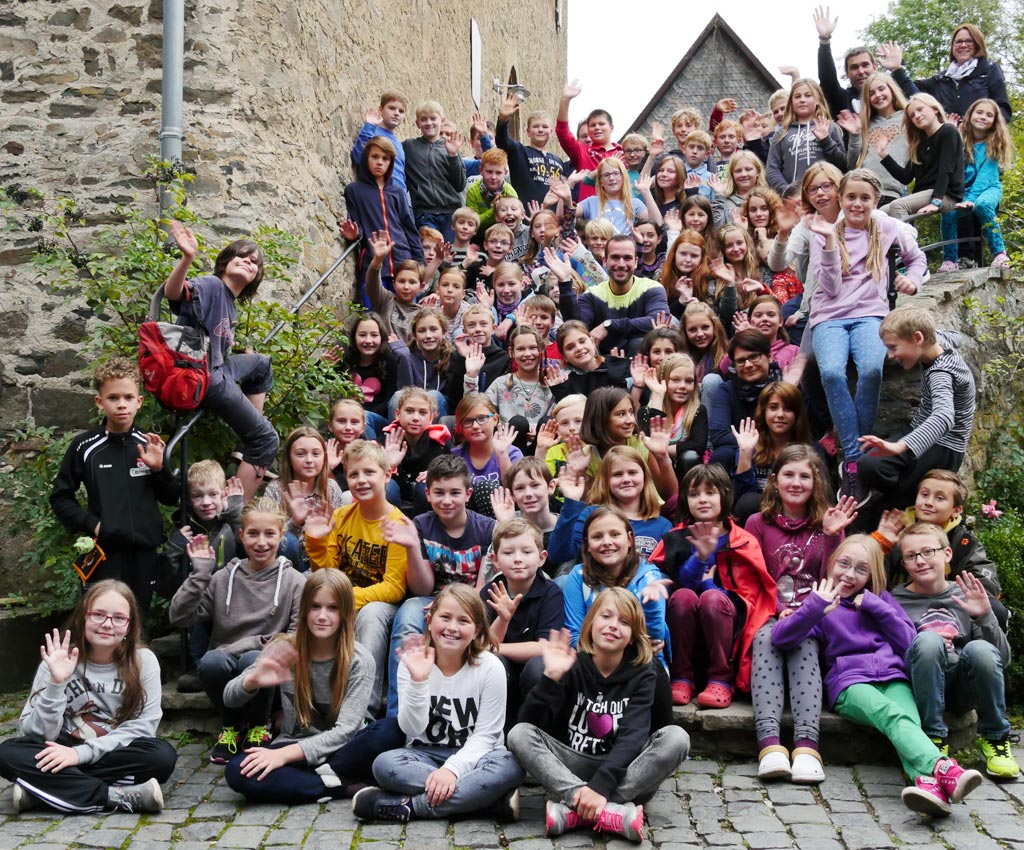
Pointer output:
x,y
597,715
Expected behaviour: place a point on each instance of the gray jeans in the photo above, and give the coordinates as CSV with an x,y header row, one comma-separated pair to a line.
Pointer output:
x,y
768,689
405,771
373,631
563,771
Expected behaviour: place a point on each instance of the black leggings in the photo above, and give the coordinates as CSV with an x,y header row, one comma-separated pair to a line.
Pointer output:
x,y
84,788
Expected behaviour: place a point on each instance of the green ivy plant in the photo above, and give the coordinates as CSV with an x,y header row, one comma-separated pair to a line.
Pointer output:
x,y
114,269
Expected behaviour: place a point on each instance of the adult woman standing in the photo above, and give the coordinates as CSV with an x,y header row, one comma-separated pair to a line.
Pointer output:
x,y
969,76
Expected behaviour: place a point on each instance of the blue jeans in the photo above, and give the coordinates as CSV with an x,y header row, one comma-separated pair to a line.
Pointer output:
x,y
439,221
405,771
373,631
985,209
291,548
975,680
834,342
374,425
411,619
295,784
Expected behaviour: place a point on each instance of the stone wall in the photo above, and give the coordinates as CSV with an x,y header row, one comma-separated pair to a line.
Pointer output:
x,y
997,402
274,95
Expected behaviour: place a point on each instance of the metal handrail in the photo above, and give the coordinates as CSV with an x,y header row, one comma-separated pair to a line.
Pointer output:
x,y
183,429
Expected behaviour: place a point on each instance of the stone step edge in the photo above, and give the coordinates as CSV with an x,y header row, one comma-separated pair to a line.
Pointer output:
x,y
713,732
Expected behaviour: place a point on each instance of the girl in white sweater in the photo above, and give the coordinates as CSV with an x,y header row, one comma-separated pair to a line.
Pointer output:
x,y
91,718
451,707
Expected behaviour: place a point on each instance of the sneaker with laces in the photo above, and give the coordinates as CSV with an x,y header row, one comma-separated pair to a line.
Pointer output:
x,y
848,484
257,736
626,820
22,800
146,797
559,819
999,761
926,797
954,780
373,803
226,747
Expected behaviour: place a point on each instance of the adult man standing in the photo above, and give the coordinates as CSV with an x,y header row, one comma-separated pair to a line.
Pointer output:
x,y
620,311
858,61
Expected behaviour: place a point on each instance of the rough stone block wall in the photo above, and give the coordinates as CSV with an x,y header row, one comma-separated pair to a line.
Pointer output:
x,y
717,70
274,95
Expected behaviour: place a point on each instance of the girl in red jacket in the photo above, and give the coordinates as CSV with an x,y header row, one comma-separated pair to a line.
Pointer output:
x,y
723,587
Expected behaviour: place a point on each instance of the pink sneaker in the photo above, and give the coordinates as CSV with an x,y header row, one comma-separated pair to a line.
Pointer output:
x,y
626,820
926,797
948,266
955,781
559,819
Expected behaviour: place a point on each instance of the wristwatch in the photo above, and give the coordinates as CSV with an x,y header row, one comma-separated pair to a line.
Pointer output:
x,y
607,323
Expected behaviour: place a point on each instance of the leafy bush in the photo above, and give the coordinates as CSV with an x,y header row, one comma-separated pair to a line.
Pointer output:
x,y
1003,537
114,270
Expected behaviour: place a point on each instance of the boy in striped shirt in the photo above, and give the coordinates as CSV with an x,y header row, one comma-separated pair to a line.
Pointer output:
x,y
941,428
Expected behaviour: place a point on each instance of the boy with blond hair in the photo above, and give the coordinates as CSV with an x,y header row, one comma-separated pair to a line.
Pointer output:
x,y
122,468
370,542
941,428
530,166
465,225
435,174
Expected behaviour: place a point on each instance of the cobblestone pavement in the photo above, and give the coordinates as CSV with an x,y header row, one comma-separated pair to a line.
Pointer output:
x,y
707,804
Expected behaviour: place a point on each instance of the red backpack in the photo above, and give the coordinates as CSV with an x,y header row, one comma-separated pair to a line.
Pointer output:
x,y
174,361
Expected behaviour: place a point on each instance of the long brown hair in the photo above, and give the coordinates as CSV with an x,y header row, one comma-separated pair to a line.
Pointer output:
x,y
821,112
288,474
339,586
665,368
670,274
718,347
597,576
444,351
792,400
600,492
126,654
817,505
998,142
469,600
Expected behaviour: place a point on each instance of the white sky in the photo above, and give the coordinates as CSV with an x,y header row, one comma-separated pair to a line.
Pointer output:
x,y
777,33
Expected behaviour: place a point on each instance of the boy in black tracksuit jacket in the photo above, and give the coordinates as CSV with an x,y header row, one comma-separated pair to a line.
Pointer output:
x,y
124,477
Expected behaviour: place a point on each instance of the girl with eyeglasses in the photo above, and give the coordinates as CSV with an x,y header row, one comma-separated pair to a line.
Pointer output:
x,y
797,531
488,447
91,718
864,635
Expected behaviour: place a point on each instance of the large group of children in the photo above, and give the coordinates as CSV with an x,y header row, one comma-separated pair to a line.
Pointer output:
x,y
589,477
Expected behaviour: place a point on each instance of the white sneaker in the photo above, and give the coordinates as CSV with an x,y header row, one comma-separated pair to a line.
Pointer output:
x,y
23,800
774,763
807,767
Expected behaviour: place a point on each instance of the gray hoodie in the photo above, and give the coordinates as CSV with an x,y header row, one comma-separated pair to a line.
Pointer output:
x,y
245,608
892,129
939,613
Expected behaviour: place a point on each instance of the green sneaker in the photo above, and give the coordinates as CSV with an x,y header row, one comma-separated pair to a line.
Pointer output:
x,y
999,761
257,736
226,747
943,746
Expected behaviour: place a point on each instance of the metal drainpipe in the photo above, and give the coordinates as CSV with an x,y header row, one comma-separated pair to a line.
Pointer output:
x,y
171,111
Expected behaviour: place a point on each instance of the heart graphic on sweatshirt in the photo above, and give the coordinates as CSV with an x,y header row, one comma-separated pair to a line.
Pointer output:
x,y
601,725
370,388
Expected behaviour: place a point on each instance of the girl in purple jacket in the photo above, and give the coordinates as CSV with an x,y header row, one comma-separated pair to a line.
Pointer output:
x,y
797,532
864,634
